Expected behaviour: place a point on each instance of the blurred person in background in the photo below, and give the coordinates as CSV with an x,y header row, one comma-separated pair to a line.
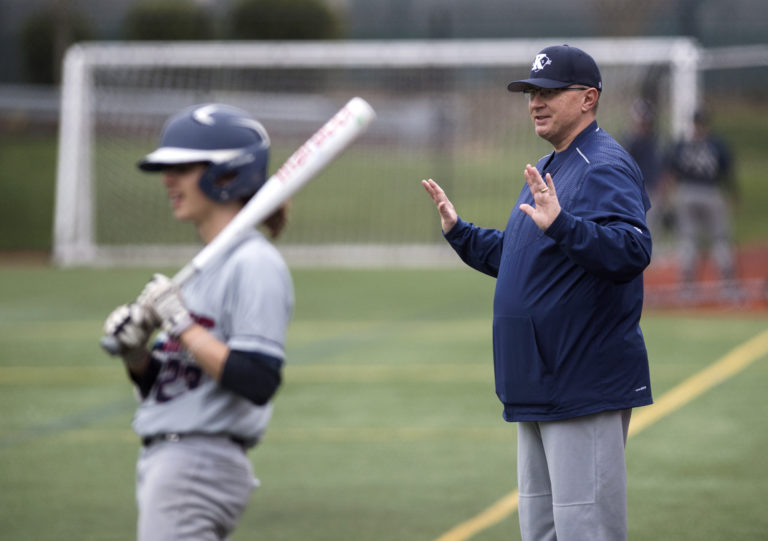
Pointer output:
x,y
701,169
642,142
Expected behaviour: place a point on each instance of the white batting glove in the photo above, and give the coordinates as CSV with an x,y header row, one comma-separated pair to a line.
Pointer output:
x,y
163,299
131,325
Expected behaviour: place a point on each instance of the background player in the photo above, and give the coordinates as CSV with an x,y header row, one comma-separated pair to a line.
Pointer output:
x,y
569,357
702,171
643,143
206,387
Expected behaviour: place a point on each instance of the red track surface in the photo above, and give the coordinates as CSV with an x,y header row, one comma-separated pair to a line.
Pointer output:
x,y
663,289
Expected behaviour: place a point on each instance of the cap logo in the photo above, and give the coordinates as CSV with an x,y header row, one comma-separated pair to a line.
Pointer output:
x,y
540,62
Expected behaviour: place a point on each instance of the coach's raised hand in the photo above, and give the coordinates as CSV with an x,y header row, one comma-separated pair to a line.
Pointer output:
x,y
448,216
163,299
544,196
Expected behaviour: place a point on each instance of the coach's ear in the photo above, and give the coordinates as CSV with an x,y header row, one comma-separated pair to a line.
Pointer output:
x,y
589,100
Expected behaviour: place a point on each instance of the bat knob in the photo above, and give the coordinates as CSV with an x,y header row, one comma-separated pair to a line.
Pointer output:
x,y
110,345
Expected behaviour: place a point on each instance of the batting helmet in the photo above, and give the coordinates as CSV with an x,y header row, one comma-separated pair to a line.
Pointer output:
x,y
227,138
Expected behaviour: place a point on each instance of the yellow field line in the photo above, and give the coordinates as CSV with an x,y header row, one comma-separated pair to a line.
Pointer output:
x,y
487,518
733,363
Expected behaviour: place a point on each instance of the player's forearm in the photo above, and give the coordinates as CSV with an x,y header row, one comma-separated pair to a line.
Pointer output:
x,y
209,352
137,361
144,374
251,375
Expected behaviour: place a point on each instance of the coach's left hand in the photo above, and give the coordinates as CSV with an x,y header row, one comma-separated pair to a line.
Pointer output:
x,y
544,196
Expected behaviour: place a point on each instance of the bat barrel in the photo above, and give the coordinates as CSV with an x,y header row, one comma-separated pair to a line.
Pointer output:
x,y
362,110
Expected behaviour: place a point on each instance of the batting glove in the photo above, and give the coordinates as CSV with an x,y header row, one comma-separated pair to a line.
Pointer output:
x,y
163,299
131,325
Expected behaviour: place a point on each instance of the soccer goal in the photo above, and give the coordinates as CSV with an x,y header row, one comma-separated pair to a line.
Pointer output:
x,y
443,113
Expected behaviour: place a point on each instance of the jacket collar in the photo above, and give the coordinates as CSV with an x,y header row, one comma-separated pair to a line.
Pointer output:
x,y
585,134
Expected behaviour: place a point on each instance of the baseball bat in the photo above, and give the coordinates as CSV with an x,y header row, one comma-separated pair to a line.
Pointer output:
x,y
301,167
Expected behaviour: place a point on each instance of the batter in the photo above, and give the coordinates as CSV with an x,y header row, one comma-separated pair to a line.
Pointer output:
x,y
207,385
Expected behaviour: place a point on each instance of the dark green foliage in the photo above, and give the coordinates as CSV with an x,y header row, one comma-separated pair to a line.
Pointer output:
x,y
283,19
43,39
173,20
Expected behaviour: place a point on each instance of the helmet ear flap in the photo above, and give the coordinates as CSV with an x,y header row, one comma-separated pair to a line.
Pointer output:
x,y
237,178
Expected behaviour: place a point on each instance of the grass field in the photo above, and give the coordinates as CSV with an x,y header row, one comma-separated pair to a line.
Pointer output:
x,y
386,428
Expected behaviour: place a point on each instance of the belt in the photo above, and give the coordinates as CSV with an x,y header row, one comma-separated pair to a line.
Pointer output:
x,y
148,441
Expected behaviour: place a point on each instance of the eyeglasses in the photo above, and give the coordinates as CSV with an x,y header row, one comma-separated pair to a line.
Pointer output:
x,y
548,93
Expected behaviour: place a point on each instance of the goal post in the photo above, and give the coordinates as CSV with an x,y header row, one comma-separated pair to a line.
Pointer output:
x,y
442,111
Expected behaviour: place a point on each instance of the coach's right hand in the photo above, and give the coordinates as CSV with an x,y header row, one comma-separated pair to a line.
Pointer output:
x,y
448,216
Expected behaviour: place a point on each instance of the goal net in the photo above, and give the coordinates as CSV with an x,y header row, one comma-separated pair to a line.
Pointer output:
x,y
443,113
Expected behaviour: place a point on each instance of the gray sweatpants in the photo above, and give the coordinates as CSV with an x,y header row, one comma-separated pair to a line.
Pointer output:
x,y
192,489
572,478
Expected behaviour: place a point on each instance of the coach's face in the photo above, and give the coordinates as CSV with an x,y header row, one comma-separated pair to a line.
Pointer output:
x,y
187,199
560,114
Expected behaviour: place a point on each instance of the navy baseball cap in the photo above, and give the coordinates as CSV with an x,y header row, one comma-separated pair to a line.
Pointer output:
x,y
560,66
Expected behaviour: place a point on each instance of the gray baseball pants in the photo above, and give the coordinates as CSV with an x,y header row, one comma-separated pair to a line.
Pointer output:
x,y
704,217
572,478
192,489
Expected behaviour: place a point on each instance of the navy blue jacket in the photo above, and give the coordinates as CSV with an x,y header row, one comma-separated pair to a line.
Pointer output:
x,y
566,312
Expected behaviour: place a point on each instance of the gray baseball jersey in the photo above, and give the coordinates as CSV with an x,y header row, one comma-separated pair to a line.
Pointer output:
x,y
245,299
